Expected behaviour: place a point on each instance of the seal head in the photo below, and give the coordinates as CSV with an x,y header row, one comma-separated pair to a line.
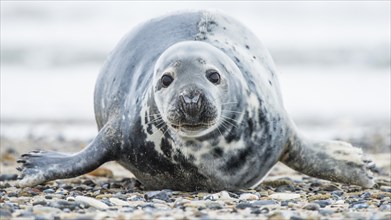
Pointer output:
x,y
191,83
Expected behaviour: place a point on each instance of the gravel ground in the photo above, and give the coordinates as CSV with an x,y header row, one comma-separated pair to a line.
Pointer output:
x,y
112,193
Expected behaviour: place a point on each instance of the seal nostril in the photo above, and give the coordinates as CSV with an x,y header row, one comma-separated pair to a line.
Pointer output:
x,y
190,99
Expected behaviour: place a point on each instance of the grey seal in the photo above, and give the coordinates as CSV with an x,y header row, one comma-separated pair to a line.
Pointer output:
x,y
191,101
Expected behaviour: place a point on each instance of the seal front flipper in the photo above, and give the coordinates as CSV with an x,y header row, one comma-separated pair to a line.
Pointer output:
x,y
41,166
331,160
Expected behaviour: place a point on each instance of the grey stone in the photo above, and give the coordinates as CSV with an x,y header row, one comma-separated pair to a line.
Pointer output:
x,y
312,206
162,195
360,206
8,177
260,203
49,191
323,203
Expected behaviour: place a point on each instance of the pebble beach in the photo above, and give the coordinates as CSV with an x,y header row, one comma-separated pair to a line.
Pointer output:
x,y
111,192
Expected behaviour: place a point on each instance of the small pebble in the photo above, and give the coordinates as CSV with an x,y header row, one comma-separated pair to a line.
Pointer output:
x,y
4,185
285,188
365,195
312,206
214,205
63,204
212,197
195,204
162,195
284,196
248,196
326,212
330,188
385,207
337,193
8,177
360,206
91,202
322,203
385,188
70,198
224,195
118,202
136,198
40,202
244,205
260,203
49,191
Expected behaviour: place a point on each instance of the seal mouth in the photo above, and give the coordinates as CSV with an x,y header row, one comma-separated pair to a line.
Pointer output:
x,y
191,127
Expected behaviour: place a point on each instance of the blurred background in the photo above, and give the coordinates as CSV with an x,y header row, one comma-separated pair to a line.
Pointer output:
x,y
333,60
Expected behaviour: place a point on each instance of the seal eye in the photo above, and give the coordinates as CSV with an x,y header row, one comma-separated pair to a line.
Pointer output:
x,y
214,77
166,80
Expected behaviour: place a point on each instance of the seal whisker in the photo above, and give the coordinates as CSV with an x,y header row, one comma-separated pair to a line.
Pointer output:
x,y
157,127
229,103
219,130
224,110
230,123
233,120
165,131
154,120
154,115
156,123
224,125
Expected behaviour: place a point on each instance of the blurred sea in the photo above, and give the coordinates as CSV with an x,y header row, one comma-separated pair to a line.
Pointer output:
x,y
333,60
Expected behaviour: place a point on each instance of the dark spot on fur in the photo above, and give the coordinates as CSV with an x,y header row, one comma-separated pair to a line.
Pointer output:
x,y
237,161
149,129
247,47
166,147
341,152
191,158
217,152
224,28
189,143
270,82
216,140
237,59
146,117
234,133
250,125
254,57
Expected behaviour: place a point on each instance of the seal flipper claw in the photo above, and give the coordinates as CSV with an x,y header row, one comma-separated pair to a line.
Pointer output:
x,y
41,166
331,160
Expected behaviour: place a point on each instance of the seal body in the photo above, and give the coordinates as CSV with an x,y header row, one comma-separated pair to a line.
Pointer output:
x,y
235,154
191,101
